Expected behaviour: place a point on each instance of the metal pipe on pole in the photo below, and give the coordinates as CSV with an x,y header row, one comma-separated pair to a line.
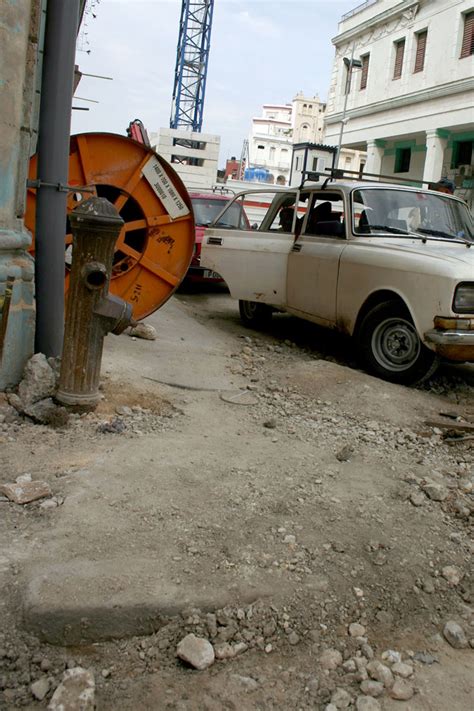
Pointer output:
x,y
62,20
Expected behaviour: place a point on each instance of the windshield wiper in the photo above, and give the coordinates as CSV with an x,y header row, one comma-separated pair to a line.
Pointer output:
x,y
447,235
389,228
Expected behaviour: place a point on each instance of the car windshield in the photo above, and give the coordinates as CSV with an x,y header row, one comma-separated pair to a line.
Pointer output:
x,y
406,212
207,209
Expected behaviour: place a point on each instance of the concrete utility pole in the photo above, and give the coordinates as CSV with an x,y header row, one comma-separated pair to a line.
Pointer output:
x,y
53,163
19,29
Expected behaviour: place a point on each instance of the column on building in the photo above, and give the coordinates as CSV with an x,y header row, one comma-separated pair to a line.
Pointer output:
x,y
17,71
436,143
375,151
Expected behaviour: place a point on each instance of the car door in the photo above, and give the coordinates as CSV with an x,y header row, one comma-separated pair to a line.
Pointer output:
x,y
313,263
253,262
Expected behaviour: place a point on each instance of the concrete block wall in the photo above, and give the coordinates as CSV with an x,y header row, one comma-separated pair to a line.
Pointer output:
x,y
193,176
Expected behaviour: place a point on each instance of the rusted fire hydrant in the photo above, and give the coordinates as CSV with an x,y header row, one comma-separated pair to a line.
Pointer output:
x,y
91,312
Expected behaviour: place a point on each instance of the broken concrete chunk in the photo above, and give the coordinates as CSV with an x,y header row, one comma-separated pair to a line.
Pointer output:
x,y
39,380
454,634
143,330
196,651
25,492
75,693
40,688
46,412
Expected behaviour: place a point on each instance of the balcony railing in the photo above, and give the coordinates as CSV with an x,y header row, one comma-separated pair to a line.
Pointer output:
x,y
358,9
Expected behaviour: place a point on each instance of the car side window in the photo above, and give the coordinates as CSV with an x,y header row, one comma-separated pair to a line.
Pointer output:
x,y
325,215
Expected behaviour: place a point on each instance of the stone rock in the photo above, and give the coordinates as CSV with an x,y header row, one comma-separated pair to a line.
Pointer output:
x,y
402,669
378,671
425,658
401,690
367,703
39,380
293,638
372,688
143,330
454,634
124,411
330,659
452,574
196,651
345,454
417,498
224,651
46,412
25,492
341,699
356,630
391,656
229,651
349,666
75,693
435,492
246,682
40,688
330,707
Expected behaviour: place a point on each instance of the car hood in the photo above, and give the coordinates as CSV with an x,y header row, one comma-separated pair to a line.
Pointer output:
x,y
433,248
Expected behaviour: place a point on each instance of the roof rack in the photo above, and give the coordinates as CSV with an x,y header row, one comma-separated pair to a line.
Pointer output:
x,y
340,174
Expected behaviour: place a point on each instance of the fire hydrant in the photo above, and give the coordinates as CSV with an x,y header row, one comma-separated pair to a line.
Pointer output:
x,y
91,312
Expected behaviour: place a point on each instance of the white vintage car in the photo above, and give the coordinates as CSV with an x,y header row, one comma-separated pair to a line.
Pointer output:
x,y
392,266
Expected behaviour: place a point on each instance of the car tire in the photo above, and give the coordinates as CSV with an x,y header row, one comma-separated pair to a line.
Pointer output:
x,y
253,314
390,347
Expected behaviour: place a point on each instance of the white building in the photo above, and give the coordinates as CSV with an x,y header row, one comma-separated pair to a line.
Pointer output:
x,y
307,119
410,105
194,156
275,135
270,140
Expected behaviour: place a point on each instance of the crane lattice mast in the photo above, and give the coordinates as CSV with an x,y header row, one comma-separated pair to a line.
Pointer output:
x,y
191,64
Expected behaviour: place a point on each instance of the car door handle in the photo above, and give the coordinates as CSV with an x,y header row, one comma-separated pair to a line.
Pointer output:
x,y
296,248
214,240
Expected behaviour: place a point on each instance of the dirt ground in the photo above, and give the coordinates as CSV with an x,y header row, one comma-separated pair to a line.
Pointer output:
x,y
261,492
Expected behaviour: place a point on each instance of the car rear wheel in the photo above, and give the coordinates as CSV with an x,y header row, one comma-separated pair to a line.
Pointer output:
x,y
390,347
253,314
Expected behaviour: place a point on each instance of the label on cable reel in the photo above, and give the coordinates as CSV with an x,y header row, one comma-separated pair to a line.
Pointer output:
x,y
164,188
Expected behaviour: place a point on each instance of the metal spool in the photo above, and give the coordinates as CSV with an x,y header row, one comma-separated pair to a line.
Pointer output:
x,y
155,245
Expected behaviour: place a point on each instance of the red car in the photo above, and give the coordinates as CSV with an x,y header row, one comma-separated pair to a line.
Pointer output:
x,y
206,207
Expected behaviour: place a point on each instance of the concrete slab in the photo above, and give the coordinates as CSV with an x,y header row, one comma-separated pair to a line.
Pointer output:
x,y
83,601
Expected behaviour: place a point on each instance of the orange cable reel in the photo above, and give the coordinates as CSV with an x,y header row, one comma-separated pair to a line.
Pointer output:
x,y
156,243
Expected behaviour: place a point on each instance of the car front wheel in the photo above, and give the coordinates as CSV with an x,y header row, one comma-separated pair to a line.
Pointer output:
x,y
254,314
390,347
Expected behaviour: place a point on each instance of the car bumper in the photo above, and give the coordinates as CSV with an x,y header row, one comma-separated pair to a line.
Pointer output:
x,y
457,345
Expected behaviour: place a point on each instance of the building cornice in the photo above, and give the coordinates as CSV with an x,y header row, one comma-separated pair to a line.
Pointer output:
x,y
376,20
417,97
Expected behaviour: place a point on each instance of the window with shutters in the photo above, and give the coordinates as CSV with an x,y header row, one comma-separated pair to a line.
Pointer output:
x,y
399,52
365,71
420,51
467,47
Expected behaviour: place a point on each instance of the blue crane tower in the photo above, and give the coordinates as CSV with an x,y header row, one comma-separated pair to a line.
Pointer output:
x,y
191,64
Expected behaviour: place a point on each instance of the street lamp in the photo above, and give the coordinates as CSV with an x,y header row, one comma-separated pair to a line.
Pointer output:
x,y
350,64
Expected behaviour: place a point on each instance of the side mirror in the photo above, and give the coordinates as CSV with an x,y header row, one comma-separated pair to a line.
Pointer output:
x,y
254,226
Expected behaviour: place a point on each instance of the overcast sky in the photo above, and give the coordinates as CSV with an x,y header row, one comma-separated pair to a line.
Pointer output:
x,y
263,51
